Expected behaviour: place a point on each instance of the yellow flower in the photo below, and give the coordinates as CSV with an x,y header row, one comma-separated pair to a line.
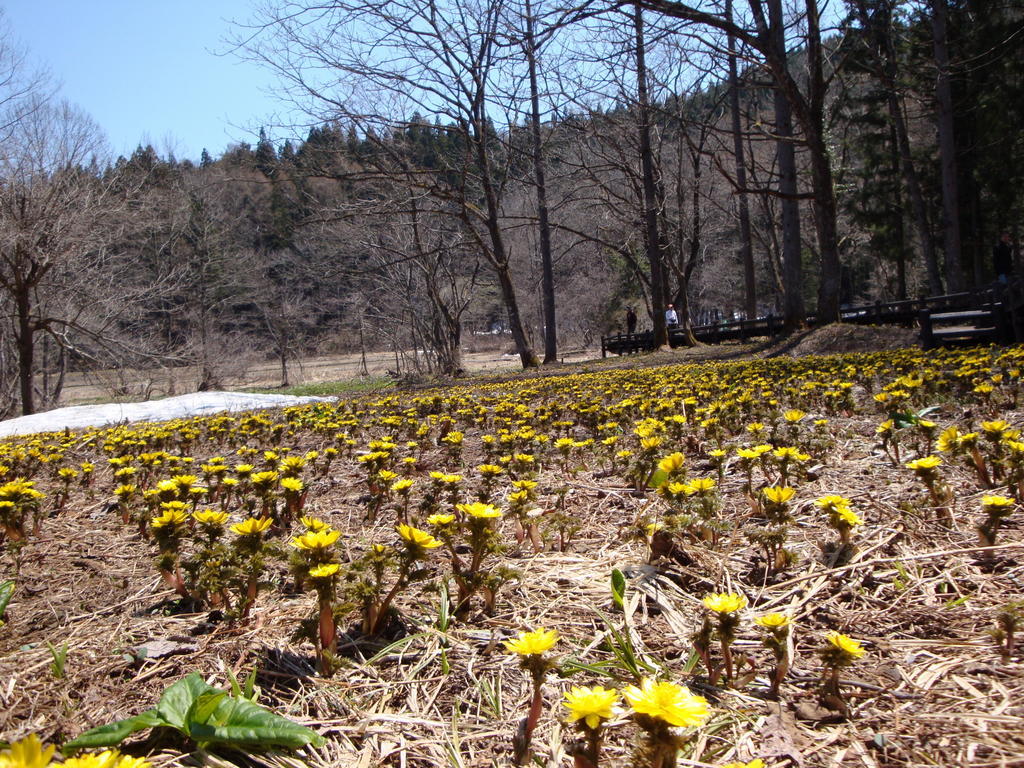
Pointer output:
x,y
440,519
316,539
778,494
725,602
324,571
793,415
401,486
107,759
757,762
479,509
700,485
925,463
832,503
773,620
127,761
789,453
27,753
252,525
313,524
170,517
518,497
210,517
847,516
291,484
994,429
591,705
414,537
533,643
668,702
653,528
847,645
650,443
996,502
184,481
948,439
672,463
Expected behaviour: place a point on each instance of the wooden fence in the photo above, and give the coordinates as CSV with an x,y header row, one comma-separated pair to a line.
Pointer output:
x,y
994,313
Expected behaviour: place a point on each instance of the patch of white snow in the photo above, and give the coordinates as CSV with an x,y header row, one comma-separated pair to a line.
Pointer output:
x,y
196,404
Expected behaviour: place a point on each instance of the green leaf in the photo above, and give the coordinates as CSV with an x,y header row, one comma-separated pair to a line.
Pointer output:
x,y
114,733
204,706
903,419
657,478
444,618
238,722
236,690
6,593
246,691
208,716
177,701
607,668
618,587
250,691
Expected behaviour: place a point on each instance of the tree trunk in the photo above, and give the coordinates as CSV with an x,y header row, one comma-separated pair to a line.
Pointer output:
x,y
498,255
508,294
282,354
887,74
947,149
746,251
547,268
650,204
825,208
897,218
917,205
825,223
25,339
794,314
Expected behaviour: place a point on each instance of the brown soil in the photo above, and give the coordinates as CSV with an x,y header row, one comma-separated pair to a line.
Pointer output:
x,y
932,690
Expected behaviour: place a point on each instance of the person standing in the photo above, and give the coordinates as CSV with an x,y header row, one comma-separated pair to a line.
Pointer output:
x,y
1002,258
671,318
630,320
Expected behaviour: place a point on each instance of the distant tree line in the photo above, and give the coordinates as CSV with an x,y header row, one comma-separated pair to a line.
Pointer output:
x,y
524,168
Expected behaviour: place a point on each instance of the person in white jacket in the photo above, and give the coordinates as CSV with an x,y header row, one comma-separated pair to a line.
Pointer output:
x,y
671,318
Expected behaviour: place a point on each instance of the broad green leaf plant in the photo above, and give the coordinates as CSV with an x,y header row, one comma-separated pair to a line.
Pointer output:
x,y
206,716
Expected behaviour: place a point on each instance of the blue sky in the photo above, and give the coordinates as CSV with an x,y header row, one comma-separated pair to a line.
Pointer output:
x,y
147,70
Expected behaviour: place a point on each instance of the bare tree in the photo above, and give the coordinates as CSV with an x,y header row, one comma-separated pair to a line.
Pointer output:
x,y
55,224
804,97
947,148
375,65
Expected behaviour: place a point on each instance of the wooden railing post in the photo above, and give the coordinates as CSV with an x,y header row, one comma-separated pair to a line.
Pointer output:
x,y
924,317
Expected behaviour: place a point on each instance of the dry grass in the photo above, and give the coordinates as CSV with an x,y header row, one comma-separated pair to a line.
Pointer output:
x,y
932,689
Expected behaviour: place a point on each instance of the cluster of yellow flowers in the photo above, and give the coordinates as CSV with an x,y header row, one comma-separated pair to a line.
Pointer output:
x,y
457,472
31,753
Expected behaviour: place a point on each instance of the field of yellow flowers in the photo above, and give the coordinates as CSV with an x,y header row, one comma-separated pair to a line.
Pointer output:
x,y
772,562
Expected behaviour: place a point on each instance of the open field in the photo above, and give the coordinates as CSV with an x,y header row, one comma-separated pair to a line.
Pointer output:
x,y
101,386
674,476
128,384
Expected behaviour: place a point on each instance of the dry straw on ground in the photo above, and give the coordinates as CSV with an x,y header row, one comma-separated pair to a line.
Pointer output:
x,y
932,689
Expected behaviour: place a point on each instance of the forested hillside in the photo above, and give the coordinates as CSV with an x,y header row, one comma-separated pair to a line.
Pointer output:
x,y
489,168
